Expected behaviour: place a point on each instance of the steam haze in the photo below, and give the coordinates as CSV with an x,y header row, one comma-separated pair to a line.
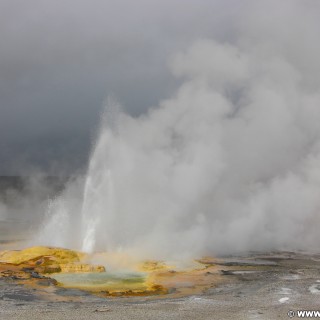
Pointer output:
x,y
212,143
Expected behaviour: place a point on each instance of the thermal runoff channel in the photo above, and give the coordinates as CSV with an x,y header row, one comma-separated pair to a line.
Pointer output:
x,y
231,162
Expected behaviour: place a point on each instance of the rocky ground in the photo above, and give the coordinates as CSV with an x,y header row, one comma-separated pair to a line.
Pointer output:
x,y
252,287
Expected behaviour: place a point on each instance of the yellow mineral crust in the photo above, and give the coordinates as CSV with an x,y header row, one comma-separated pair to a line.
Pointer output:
x,y
50,260
81,267
48,254
153,265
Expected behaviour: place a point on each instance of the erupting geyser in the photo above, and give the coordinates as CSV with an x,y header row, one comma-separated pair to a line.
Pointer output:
x,y
231,162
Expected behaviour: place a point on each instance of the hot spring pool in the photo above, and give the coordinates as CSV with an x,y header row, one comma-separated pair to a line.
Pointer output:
x,y
108,281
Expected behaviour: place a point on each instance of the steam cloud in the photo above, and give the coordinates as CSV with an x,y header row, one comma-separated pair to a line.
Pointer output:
x,y
230,163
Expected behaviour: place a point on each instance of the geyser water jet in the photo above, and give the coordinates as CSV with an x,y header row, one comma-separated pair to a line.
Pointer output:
x,y
230,163
95,185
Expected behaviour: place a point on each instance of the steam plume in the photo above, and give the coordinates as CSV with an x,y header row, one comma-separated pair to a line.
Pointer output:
x,y
230,163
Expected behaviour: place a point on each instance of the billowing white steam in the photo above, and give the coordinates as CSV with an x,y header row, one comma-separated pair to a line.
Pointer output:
x,y
230,163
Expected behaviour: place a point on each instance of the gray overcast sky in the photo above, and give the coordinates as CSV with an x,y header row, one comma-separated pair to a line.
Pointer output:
x,y
59,60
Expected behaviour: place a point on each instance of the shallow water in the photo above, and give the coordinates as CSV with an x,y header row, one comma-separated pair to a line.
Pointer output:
x,y
110,281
